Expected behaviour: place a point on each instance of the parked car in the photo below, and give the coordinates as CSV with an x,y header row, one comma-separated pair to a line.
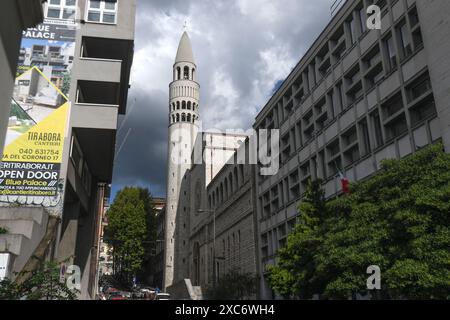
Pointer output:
x,y
116,295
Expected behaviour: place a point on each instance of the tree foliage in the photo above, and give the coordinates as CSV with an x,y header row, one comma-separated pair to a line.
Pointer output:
x,y
127,230
41,284
399,219
234,285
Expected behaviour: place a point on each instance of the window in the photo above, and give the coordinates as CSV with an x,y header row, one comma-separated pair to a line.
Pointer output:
x,y
405,40
76,155
362,19
417,39
334,166
103,11
340,96
383,6
413,17
377,127
423,111
351,155
392,106
390,53
396,127
352,30
61,9
333,149
86,178
418,87
365,137
350,137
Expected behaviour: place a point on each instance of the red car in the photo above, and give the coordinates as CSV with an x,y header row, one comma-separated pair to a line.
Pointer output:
x,y
116,295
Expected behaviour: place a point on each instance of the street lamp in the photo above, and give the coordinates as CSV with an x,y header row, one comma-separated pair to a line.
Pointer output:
x,y
214,242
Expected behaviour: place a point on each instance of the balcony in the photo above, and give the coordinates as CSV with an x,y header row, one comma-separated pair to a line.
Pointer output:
x,y
96,105
107,60
94,69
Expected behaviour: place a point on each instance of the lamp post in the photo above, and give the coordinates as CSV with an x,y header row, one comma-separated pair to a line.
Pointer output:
x,y
214,243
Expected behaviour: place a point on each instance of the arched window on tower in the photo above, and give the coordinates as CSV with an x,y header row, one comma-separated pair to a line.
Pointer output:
x,y
189,117
189,105
178,105
178,73
186,73
173,106
183,105
178,117
193,106
173,119
183,117
193,74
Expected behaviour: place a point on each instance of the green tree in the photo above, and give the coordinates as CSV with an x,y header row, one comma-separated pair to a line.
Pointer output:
x,y
150,240
41,284
234,285
127,231
399,219
294,275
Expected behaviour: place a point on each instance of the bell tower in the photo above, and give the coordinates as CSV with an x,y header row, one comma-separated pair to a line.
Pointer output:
x,y
184,94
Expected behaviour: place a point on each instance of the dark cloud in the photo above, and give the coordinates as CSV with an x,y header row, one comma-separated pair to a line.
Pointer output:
x,y
243,48
142,143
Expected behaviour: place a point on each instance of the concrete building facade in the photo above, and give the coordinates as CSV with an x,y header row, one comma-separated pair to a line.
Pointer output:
x,y
211,153
67,228
98,93
358,96
223,236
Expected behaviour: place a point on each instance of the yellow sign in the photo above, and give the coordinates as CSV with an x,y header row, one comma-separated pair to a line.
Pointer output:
x,y
35,139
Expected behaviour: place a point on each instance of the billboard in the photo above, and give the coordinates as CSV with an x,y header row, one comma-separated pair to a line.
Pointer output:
x,y
39,116
4,264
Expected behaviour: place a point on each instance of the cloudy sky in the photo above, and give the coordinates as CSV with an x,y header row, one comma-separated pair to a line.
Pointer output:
x,y
243,50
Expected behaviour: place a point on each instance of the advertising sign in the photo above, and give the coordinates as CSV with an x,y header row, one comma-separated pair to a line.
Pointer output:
x,y
35,137
4,264
31,162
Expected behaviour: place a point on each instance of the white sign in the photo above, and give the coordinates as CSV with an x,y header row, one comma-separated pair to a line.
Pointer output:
x,y
4,262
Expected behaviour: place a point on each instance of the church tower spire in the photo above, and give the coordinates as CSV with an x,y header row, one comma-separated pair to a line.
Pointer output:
x,y
184,94
184,53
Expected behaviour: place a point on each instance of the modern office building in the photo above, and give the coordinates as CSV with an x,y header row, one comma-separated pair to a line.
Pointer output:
x,y
357,96
82,52
98,93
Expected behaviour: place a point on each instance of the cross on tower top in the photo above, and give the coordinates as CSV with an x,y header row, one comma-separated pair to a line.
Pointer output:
x,y
185,25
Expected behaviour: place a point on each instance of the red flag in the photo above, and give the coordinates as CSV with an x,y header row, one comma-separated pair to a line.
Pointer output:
x,y
345,183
